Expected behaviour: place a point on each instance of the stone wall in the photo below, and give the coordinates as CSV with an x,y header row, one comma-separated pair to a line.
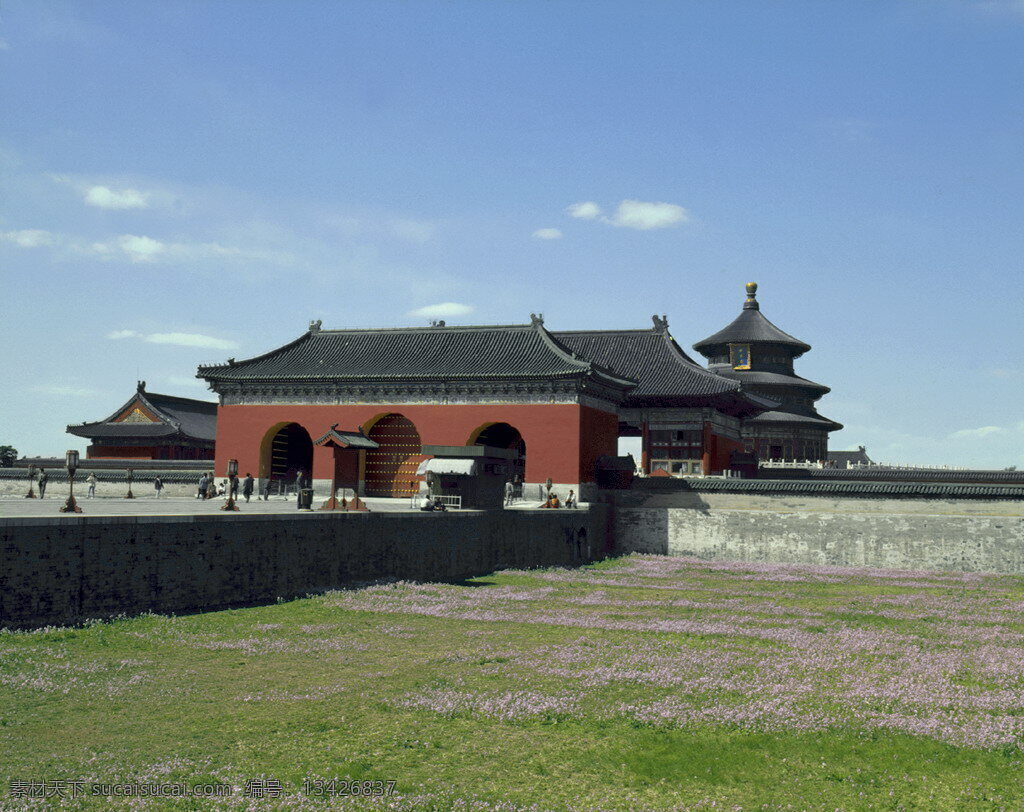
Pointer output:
x,y
68,569
913,533
111,484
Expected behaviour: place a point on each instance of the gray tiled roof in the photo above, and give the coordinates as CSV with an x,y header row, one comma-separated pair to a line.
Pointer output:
x,y
756,376
651,357
843,457
666,374
197,418
486,352
877,489
750,327
880,474
185,417
347,439
812,419
124,430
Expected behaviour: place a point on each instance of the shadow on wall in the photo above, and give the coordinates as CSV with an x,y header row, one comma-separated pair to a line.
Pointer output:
x,y
640,531
578,543
658,492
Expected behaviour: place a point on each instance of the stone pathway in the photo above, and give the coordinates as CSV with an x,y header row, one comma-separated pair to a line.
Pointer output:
x,y
20,507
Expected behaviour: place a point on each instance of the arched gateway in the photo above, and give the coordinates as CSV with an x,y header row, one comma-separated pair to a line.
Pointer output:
x,y
287,450
503,435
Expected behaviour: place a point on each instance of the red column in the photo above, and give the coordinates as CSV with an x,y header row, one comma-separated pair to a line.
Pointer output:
x,y
709,441
645,453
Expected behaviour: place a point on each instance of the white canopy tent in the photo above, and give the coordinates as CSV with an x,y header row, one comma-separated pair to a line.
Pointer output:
x,y
447,466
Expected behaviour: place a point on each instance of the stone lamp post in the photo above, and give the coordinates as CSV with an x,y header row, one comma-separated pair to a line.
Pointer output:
x,y
71,461
232,473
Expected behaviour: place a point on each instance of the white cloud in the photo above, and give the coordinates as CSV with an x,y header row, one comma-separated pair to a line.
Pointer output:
x,y
984,431
646,216
121,194
140,249
191,340
584,211
130,246
637,214
444,310
106,198
177,339
28,237
547,234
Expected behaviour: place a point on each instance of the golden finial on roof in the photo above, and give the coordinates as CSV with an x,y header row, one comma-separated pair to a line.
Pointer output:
x,y
751,303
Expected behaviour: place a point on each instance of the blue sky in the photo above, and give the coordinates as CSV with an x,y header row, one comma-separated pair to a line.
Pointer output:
x,y
185,181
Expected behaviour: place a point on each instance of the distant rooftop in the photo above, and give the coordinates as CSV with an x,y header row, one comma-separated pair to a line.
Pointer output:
x,y
844,458
174,416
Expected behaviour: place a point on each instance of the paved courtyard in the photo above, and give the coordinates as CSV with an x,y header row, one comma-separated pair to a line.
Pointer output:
x,y
19,506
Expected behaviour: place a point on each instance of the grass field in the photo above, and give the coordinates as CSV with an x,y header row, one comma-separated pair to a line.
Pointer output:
x,y
638,683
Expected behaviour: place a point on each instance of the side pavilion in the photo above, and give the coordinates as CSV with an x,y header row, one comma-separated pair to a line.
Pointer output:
x,y
151,426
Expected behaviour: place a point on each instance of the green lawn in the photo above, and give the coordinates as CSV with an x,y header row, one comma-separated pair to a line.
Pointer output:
x,y
641,682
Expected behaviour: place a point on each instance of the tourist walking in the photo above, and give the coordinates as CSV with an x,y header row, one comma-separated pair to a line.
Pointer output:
x,y
247,486
91,482
211,486
266,490
570,500
158,485
43,479
201,493
301,484
509,493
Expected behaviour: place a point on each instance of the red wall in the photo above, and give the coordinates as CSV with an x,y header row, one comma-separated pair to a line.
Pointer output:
x,y
552,432
723,447
599,436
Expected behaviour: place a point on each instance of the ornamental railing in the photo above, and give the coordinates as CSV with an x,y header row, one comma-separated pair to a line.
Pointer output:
x,y
791,464
904,467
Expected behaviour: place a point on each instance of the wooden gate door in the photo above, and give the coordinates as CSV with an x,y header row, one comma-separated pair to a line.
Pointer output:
x,y
391,469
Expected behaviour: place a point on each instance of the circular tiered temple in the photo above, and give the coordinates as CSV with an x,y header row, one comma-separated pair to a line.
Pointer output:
x,y
757,354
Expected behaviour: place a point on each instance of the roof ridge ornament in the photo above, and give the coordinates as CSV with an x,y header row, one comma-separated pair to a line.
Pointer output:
x,y
140,386
314,326
751,303
537,319
660,325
